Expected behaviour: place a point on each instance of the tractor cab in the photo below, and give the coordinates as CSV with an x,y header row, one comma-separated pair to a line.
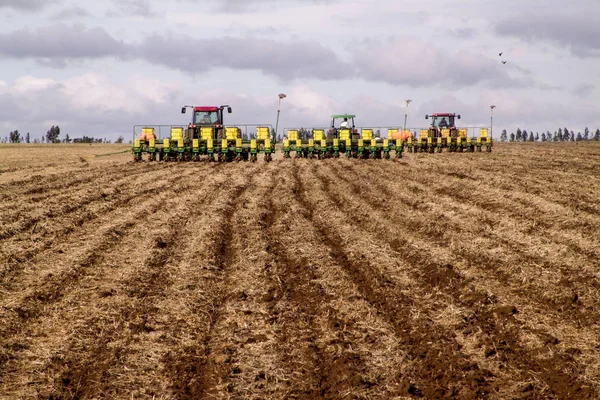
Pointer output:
x,y
209,117
442,121
336,120
342,121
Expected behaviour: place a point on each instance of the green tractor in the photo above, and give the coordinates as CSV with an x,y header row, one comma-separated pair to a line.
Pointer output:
x,y
342,137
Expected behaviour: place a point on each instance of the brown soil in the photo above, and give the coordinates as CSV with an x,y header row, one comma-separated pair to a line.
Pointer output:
x,y
434,276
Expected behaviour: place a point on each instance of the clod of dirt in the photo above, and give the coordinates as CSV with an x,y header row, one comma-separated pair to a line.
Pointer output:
x,y
160,244
505,311
490,353
107,293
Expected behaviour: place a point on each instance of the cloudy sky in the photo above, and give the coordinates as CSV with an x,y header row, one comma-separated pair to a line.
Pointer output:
x,y
98,68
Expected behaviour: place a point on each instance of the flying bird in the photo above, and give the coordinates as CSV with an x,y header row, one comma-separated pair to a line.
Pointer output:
x,y
500,54
503,62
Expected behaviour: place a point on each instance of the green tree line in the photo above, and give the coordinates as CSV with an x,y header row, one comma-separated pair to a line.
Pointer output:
x,y
560,135
53,136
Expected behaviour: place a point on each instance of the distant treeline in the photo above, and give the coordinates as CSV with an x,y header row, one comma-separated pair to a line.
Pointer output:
x,y
560,135
53,136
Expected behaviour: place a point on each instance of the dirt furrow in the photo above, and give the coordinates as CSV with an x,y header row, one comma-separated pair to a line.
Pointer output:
x,y
534,213
424,342
18,252
23,215
42,186
430,220
485,315
119,343
26,304
198,369
351,348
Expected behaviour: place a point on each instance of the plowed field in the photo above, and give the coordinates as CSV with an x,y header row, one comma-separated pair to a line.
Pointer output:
x,y
434,276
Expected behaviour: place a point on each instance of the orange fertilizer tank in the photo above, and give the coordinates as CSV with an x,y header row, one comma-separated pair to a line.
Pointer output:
x,y
147,134
402,135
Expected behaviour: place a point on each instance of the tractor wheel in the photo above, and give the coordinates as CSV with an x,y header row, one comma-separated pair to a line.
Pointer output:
x,y
219,134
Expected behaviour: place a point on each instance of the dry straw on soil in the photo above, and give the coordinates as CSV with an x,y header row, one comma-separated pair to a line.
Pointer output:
x,y
434,276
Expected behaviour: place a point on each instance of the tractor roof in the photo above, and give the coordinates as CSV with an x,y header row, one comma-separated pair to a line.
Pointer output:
x,y
443,115
206,108
335,116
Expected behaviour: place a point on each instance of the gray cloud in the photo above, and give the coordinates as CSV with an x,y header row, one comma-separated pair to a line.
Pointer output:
x,y
463,33
60,42
71,13
583,90
285,60
417,63
138,8
245,6
577,31
23,4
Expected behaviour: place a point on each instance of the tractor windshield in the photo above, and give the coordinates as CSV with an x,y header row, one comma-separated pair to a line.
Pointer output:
x,y
206,117
443,122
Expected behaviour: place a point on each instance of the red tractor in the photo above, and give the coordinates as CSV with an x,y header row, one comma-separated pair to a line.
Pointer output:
x,y
442,121
443,133
206,116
